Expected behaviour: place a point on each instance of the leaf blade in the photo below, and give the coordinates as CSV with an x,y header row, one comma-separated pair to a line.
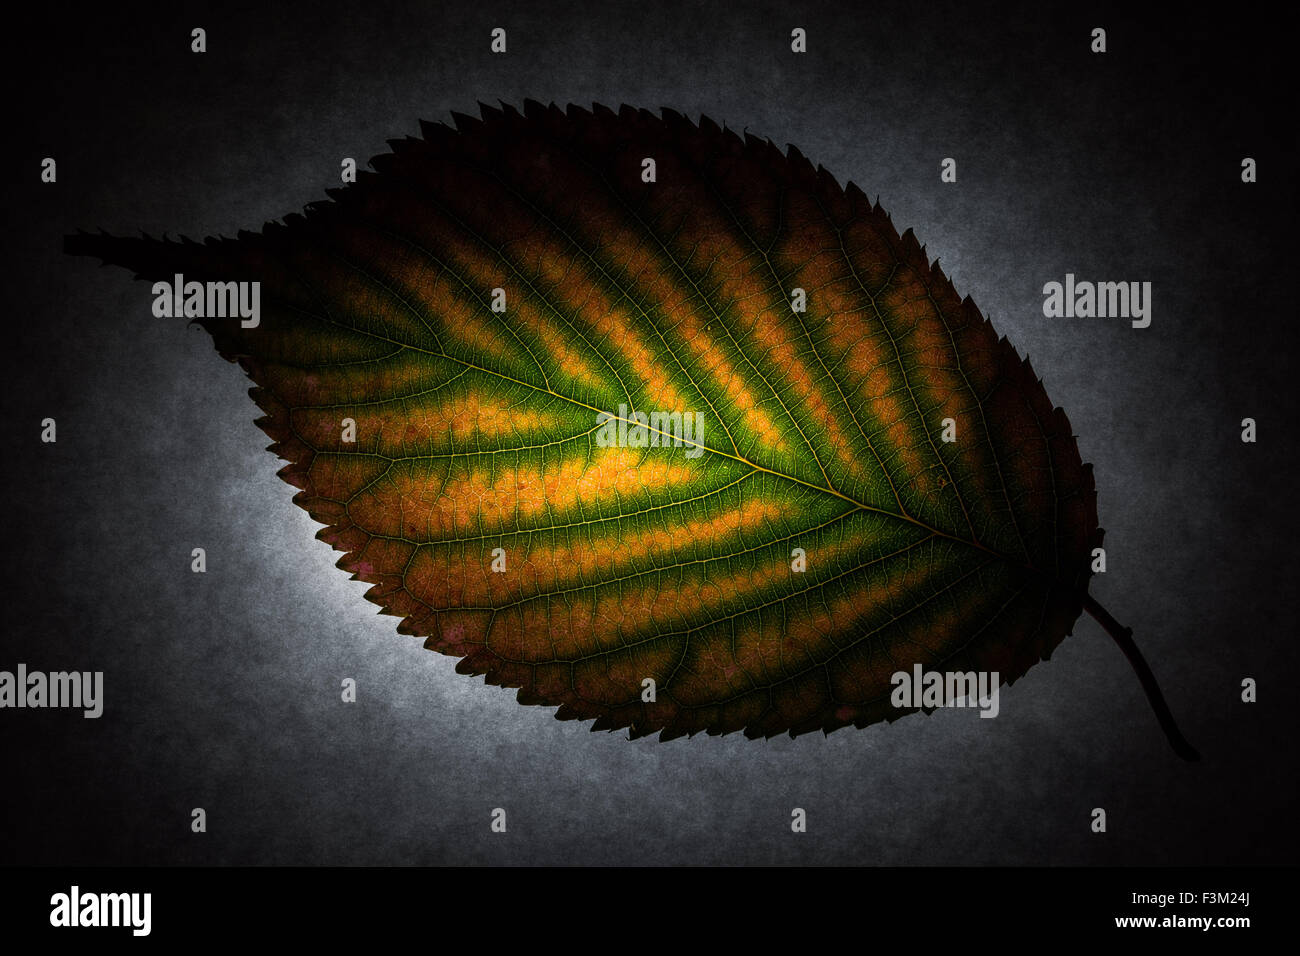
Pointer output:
x,y
475,429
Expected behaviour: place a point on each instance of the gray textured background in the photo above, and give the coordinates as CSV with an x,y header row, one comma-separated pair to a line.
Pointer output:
x,y
222,689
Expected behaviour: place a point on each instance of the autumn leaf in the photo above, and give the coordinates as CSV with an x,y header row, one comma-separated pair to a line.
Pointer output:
x,y
862,475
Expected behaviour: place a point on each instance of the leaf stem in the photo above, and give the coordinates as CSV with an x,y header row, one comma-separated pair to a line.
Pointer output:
x,y
1124,638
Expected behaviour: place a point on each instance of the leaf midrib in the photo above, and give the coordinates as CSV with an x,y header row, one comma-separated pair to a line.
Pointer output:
x,y
827,489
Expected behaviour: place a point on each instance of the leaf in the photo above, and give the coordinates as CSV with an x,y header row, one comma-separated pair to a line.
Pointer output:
x,y
822,430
